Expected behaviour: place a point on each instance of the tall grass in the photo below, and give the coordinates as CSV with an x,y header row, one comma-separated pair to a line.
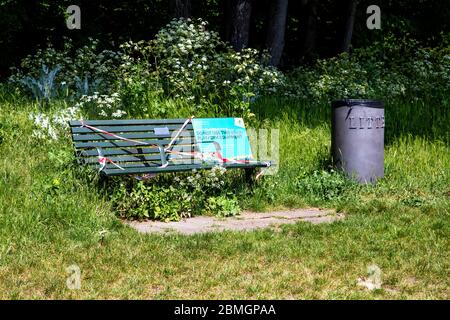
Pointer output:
x,y
417,153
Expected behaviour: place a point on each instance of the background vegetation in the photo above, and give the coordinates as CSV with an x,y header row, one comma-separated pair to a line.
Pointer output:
x,y
312,28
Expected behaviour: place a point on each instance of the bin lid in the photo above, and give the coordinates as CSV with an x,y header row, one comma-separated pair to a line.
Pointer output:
x,y
358,103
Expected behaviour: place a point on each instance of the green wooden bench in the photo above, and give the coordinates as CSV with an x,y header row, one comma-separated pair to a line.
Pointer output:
x,y
139,147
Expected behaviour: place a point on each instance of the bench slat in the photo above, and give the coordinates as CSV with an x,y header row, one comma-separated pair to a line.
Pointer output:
x,y
152,164
175,168
116,144
142,135
124,151
76,123
131,128
110,152
143,158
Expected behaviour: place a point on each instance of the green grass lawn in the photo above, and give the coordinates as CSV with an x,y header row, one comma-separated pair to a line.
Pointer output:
x,y
52,215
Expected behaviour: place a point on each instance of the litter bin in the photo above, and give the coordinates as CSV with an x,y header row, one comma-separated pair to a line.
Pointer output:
x,y
357,144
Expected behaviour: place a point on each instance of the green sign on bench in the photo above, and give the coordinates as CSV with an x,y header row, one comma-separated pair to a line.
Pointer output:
x,y
118,147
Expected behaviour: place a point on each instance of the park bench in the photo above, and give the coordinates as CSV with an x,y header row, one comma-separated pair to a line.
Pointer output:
x,y
140,147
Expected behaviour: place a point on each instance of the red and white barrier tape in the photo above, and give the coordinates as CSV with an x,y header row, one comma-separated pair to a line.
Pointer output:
x,y
102,160
178,133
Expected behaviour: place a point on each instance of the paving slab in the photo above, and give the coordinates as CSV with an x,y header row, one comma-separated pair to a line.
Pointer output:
x,y
246,221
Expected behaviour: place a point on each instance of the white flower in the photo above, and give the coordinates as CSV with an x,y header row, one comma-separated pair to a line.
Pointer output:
x,y
118,114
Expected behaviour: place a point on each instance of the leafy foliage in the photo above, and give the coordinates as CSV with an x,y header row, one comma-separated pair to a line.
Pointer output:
x,y
393,68
176,196
321,185
68,72
186,60
42,87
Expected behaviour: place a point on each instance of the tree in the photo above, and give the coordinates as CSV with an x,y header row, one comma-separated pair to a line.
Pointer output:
x,y
348,25
310,32
238,23
276,30
180,8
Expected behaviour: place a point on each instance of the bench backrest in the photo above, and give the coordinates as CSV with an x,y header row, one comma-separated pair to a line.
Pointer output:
x,y
156,134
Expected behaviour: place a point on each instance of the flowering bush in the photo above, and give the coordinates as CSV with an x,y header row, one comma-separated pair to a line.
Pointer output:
x,y
102,105
190,62
430,71
185,61
344,77
393,68
52,126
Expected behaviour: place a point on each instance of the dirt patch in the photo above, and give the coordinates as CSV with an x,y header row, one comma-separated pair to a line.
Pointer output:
x,y
244,222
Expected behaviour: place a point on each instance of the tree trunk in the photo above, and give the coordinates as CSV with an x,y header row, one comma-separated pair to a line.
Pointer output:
x,y
348,25
180,8
276,29
238,23
310,33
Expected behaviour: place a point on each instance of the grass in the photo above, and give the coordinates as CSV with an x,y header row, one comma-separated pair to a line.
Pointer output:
x,y
52,216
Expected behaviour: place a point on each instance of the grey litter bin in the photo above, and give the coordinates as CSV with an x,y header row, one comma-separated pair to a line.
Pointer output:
x,y
357,143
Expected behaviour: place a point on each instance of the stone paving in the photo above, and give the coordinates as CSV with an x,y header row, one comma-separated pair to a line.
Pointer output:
x,y
244,222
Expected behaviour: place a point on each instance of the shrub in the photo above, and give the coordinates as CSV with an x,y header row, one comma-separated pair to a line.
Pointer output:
x,y
149,201
389,69
185,61
102,105
52,125
190,62
223,206
172,197
80,71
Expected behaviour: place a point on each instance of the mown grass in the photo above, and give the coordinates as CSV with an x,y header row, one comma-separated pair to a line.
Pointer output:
x,y
52,215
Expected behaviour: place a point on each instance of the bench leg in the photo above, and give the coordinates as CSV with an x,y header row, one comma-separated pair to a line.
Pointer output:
x,y
250,175
103,181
